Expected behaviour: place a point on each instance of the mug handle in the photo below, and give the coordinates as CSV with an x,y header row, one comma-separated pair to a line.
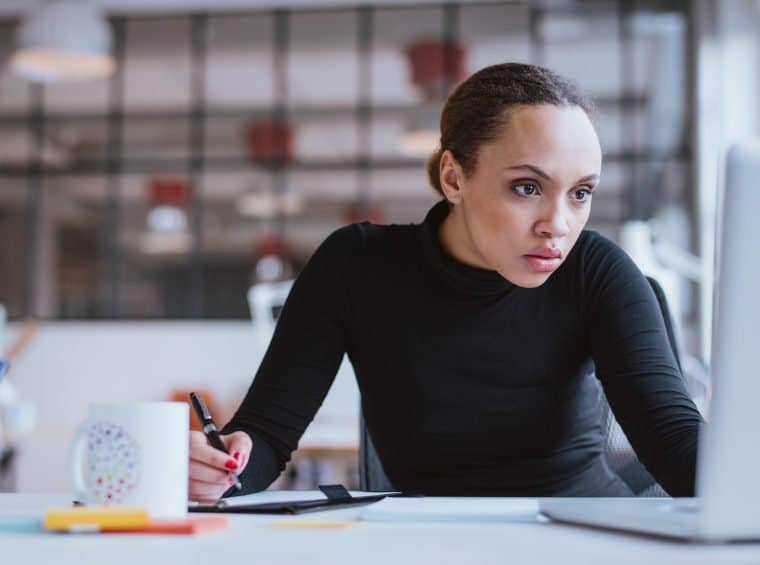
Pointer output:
x,y
76,461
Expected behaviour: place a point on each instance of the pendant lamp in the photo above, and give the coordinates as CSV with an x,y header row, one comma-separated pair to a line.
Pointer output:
x,y
435,68
273,259
63,40
167,221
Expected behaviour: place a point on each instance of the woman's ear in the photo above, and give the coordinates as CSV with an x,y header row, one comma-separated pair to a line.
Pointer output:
x,y
451,177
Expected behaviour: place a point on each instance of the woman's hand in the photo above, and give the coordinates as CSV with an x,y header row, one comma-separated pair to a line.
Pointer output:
x,y
210,468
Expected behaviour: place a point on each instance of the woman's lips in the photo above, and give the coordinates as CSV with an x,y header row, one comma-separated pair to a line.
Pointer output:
x,y
542,264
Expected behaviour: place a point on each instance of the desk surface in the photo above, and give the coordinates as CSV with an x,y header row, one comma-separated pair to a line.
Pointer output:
x,y
251,539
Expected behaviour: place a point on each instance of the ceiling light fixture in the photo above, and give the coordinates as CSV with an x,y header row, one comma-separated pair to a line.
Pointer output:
x,y
436,67
167,218
273,259
63,40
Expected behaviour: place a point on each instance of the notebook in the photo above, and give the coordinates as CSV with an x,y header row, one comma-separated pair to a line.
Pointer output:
x,y
329,497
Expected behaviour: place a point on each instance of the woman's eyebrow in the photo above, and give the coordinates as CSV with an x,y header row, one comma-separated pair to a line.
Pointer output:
x,y
532,168
590,177
543,174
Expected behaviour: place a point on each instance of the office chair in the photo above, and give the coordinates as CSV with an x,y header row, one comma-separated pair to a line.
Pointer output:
x,y
617,451
265,301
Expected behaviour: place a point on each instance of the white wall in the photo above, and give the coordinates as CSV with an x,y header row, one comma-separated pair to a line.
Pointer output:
x,y
727,84
68,365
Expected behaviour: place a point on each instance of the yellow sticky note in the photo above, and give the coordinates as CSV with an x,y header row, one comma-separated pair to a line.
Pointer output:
x,y
98,519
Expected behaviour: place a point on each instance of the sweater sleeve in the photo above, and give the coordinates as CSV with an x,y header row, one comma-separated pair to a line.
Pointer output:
x,y
300,363
637,368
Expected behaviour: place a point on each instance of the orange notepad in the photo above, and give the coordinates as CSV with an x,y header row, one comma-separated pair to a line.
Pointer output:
x,y
188,526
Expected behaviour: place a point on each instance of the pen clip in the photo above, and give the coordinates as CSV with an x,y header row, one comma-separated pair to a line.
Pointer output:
x,y
200,408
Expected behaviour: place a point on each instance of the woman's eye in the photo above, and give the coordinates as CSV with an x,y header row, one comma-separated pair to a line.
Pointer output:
x,y
581,195
525,189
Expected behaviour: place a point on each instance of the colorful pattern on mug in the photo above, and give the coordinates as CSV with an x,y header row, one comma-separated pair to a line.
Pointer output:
x,y
113,463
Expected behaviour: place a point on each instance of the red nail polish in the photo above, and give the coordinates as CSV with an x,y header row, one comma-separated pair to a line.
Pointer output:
x,y
236,456
231,464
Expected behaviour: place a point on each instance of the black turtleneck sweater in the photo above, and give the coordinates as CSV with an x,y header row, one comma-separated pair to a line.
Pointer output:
x,y
469,384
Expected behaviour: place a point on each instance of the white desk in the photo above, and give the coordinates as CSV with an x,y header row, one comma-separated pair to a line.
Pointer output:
x,y
249,540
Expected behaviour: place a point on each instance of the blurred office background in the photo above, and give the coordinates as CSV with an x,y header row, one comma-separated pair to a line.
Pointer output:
x,y
223,141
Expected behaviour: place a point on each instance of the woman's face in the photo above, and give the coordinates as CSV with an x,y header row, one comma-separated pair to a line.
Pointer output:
x,y
523,208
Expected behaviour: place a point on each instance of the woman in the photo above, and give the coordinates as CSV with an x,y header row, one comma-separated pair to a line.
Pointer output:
x,y
473,334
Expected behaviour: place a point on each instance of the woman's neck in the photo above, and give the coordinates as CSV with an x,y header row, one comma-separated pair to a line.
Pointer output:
x,y
456,241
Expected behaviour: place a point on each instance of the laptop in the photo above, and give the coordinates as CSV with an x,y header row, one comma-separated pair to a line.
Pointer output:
x,y
728,463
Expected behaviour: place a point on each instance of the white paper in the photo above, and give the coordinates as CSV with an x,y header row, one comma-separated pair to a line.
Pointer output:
x,y
283,496
452,509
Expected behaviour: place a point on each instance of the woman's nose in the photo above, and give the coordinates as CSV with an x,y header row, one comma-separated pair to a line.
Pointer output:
x,y
554,222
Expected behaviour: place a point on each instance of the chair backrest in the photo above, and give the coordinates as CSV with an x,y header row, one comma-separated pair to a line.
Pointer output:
x,y
3,324
265,299
618,452
372,477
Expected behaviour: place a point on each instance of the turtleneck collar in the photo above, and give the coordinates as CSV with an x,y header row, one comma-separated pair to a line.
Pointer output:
x,y
472,280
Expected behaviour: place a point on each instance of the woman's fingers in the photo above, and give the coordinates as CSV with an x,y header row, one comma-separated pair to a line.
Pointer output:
x,y
204,492
239,445
202,472
202,452
209,471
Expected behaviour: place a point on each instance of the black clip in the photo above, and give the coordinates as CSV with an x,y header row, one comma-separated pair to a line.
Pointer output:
x,y
336,493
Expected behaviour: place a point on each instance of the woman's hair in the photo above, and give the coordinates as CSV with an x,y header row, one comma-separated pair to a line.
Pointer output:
x,y
477,110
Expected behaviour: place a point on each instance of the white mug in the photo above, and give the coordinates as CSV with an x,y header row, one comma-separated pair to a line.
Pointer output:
x,y
133,455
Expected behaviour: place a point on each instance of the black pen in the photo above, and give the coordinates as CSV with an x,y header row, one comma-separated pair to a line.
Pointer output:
x,y
209,428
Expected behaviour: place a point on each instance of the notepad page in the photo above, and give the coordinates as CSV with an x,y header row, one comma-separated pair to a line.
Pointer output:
x,y
452,509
